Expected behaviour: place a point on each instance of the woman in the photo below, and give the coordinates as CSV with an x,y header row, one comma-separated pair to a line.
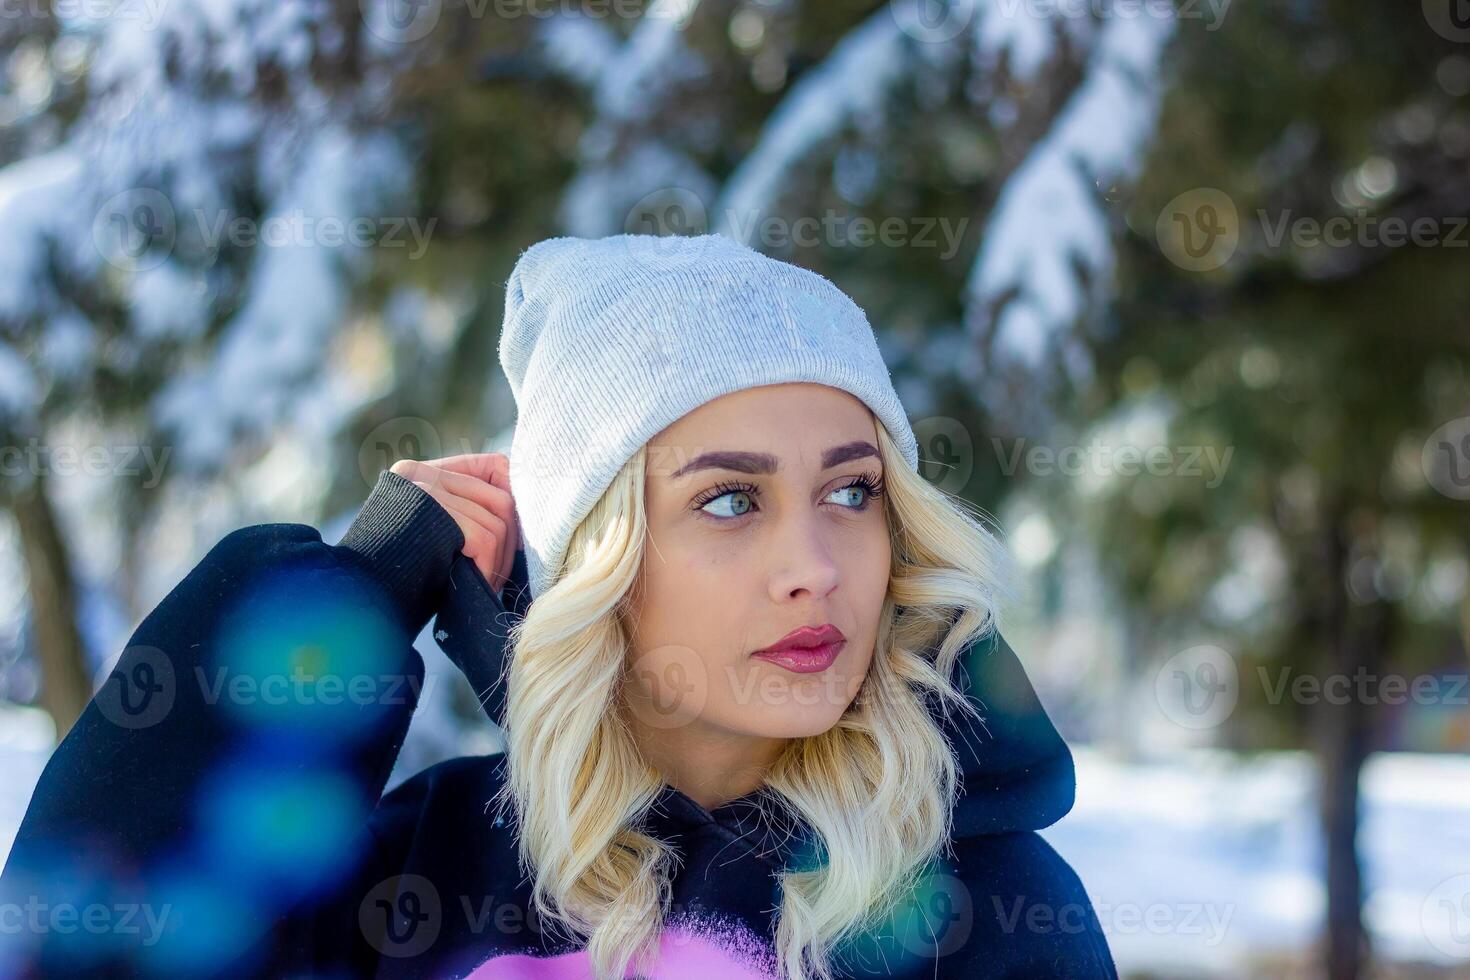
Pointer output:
x,y
759,721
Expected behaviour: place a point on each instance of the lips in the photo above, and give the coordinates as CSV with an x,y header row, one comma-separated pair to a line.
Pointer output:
x,y
806,650
806,638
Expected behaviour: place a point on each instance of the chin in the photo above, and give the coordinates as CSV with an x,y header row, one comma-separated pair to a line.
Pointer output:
x,y
795,720
775,703
802,725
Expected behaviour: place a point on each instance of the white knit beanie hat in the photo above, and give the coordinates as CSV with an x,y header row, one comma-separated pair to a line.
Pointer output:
x,y
607,341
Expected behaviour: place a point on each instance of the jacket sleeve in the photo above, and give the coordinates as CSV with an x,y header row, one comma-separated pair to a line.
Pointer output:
x,y
1014,908
209,812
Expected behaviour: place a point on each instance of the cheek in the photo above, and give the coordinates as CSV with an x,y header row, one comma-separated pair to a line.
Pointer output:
x,y
667,685
691,629
868,565
685,581
691,597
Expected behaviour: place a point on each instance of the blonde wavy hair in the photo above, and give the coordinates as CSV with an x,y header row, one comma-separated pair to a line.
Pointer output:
x,y
876,789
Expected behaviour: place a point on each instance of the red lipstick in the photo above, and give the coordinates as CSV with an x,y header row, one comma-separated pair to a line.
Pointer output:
x,y
807,650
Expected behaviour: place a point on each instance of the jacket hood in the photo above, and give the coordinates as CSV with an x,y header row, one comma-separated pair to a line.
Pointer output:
x,y
1016,772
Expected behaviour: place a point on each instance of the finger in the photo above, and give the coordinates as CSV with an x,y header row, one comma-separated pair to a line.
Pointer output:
x,y
479,546
462,476
461,520
487,495
492,468
482,552
485,536
479,516
470,516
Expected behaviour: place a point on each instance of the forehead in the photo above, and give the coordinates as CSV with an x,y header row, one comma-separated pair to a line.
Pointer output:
x,y
796,421
779,414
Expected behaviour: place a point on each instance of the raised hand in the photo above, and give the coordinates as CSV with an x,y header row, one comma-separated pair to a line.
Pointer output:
x,y
475,489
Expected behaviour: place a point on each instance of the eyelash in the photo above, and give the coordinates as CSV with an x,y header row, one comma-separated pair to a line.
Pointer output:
x,y
871,483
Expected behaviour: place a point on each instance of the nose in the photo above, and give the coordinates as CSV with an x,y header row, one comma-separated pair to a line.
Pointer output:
x,y
802,562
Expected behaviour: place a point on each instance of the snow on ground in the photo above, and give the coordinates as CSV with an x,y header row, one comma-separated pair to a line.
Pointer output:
x,y
26,739
1197,862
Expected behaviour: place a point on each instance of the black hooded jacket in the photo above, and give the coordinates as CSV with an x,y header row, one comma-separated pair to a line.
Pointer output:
x,y
218,809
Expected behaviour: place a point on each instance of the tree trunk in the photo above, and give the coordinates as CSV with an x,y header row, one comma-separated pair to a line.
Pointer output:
x,y
66,684
1358,636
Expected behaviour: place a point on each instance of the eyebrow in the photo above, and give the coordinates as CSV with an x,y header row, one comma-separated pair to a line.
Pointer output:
x,y
765,463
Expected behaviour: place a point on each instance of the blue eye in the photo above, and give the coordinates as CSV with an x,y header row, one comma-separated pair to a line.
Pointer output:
x,y
871,487
738,511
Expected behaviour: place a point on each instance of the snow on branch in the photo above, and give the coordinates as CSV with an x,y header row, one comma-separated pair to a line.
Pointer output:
x,y
624,156
1047,248
848,87
297,300
197,118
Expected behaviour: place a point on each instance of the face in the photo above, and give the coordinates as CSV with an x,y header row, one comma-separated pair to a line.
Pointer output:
x,y
761,520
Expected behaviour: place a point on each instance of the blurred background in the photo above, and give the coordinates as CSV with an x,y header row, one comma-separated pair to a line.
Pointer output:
x,y
1178,291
